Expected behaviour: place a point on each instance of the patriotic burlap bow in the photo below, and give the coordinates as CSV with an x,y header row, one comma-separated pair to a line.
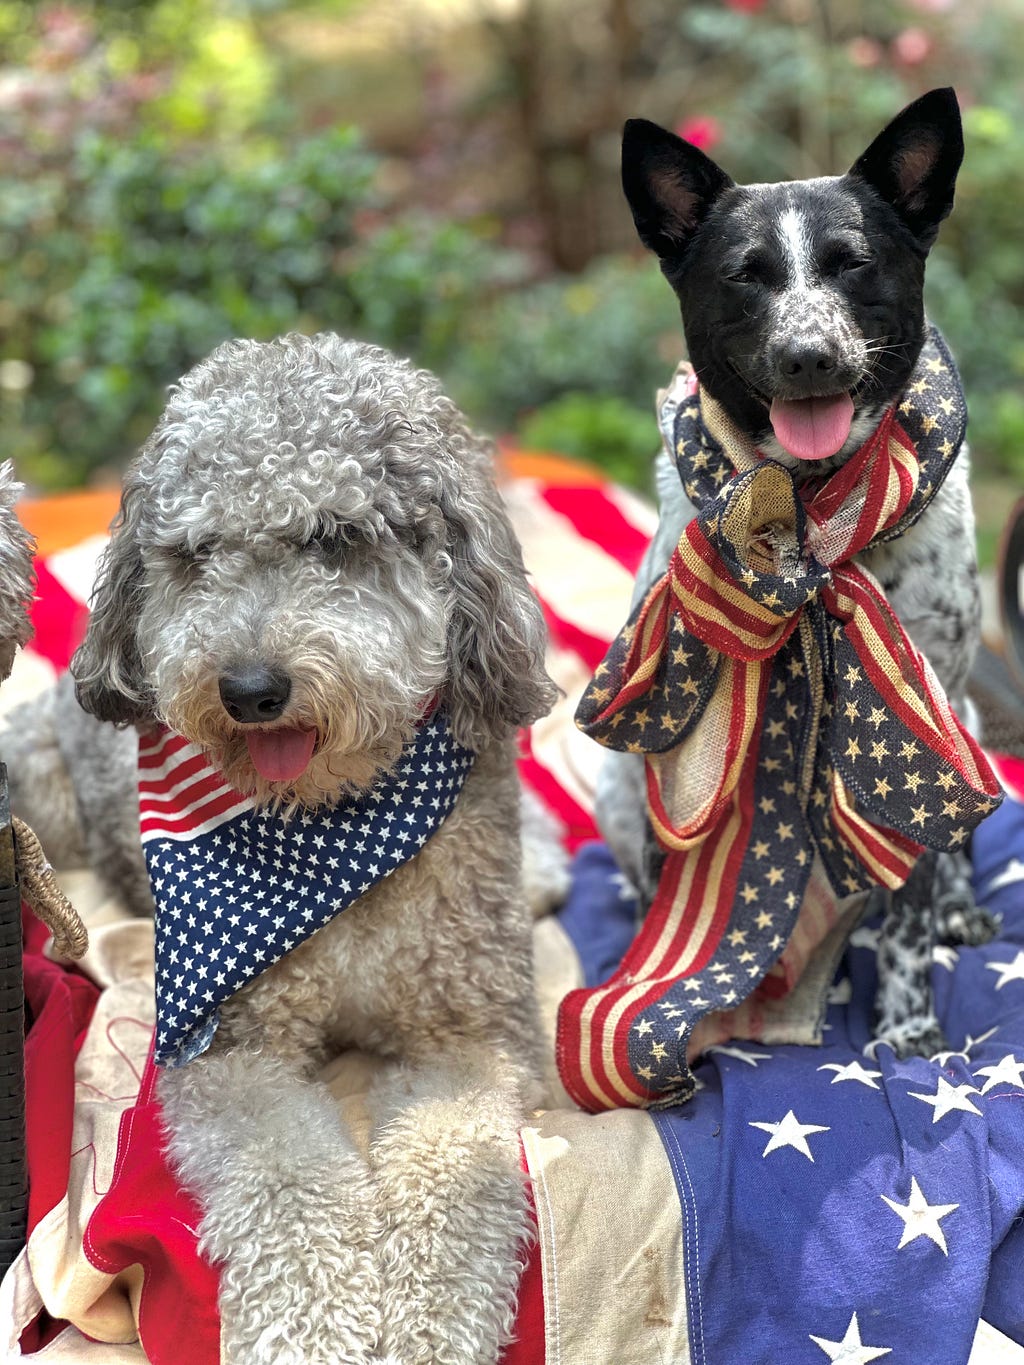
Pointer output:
x,y
237,886
785,717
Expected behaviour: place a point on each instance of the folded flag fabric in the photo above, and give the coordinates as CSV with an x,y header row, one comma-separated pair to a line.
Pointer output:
x,y
717,1251
787,720
826,1202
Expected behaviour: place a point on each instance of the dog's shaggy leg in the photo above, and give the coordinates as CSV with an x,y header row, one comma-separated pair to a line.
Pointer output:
x,y
288,1210
904,1006
447,1164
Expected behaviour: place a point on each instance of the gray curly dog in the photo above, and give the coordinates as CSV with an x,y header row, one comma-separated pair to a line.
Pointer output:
x,y
319,509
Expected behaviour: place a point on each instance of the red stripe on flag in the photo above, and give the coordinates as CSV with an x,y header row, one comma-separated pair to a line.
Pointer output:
x,y
528,1344
590,648
154,754
578,821
58,619
160,824
209,783
1011,770
159,786
146,1219
596,518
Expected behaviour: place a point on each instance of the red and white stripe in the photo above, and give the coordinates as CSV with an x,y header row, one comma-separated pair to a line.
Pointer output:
x,y
582,545
181,795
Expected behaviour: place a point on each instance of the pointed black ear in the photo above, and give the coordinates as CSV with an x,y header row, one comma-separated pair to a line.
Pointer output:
x,y
670,185
913,162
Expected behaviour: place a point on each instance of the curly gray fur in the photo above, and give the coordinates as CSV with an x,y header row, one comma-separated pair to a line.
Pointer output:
x,y
74,781
318,506
17,576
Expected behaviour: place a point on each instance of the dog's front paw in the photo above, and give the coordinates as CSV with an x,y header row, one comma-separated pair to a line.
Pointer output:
x,y
289,1210
303,1287
964,923
456,1220
919,1036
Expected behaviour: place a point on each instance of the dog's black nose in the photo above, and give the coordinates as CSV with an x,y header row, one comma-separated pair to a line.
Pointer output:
x,y
255,694
802,359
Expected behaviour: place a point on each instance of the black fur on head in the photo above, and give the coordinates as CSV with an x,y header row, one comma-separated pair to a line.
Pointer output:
x,y
800,289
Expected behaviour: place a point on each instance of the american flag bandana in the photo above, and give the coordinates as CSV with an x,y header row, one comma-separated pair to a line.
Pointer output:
x,y
788,723
237,886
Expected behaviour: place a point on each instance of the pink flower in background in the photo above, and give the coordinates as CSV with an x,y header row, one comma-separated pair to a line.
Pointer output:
x,y
745,6
865,51
911,47
703,131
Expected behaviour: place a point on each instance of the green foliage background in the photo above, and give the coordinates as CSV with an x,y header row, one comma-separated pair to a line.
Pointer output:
x,y
177,172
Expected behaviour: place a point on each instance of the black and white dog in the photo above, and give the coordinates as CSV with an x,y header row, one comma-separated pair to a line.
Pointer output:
x,y
803,312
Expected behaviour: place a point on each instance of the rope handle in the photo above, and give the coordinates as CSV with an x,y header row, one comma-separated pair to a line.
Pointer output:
x,y
47,901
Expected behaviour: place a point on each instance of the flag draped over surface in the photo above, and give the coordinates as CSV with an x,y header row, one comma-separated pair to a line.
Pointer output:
x,y
237,886
788,722
735,1240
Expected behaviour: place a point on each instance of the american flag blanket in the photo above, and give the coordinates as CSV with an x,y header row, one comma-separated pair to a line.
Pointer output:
x,y
807,1204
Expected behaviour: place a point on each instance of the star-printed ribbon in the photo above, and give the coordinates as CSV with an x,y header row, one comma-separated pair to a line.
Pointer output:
x,y
784,715
237,886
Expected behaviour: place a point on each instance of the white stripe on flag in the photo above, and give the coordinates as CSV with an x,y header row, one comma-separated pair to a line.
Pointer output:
x,y
75,568
581,583
196,830
637,510
618,1298
571,758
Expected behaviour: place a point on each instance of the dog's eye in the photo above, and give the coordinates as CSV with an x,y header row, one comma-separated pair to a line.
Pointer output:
x,y
191,554
330,539
846,263
752,268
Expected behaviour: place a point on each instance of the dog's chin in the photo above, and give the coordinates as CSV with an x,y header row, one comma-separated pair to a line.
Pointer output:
x,y
868,411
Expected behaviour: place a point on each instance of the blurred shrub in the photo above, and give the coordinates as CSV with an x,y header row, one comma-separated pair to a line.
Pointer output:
x,y
135,263
612,330
160,190
976,282
415,284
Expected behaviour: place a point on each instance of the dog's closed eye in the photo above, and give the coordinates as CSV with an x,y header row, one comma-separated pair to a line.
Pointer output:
x,y
844,260
329,539
184,553
752,269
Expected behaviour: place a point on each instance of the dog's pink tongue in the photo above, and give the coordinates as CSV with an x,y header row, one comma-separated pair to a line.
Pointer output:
x,y
812,428
280,755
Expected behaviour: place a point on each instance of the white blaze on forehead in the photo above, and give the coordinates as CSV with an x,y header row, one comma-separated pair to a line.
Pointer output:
x,y
797,246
